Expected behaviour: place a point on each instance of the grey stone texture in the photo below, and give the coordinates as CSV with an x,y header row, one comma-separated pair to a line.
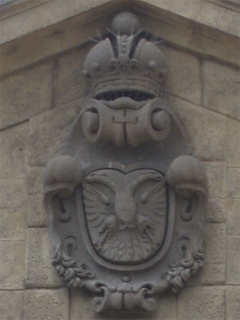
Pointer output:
x,y
55,124
232,303
26,94
10,187
36,215
215,246
216,210
12,265
206,99
184,74
233,182
13,223
233,210
207,130
216,174
233,260
11,305
205,303
34,180
80,309
233,145
221,88
46,305
13,143
39,271
70,83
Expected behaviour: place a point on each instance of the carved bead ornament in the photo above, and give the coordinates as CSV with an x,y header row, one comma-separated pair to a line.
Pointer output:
x,y
125,196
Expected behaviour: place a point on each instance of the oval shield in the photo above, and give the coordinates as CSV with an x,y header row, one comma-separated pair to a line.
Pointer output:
x,y
126,214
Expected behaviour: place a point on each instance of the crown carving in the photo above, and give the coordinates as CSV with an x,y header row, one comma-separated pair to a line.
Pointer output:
x,y
125,63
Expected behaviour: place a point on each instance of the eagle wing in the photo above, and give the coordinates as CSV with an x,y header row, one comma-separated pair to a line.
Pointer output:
x,y
150,193
98,199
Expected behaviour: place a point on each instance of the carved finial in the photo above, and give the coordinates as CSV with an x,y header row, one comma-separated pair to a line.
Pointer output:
x,y
125,23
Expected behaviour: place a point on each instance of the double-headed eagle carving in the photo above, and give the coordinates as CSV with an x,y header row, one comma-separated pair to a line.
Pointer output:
x,y
126,214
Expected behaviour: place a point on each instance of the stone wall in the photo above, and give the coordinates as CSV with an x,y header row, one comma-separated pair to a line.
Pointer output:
x,y
38,103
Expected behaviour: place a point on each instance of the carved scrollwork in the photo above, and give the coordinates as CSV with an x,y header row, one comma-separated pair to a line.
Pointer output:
x,y
128,300
181,272
126,195
71,272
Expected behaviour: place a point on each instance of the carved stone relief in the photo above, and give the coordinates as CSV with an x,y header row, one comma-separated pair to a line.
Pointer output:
x,y
126,197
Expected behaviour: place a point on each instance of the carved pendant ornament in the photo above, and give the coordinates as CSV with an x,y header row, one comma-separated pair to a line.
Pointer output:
x,y
126,197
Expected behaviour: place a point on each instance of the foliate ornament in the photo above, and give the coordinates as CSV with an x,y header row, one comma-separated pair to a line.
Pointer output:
x,y
125,196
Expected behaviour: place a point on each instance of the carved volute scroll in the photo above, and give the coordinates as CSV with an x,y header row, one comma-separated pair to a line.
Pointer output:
x,y
126,197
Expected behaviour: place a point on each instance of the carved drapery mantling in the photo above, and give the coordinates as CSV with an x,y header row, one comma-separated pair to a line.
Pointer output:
x,y
126,197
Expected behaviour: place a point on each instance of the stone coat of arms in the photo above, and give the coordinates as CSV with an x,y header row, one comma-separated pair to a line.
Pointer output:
x,y
126,197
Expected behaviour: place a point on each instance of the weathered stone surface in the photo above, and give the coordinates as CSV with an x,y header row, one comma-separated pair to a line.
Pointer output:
x,y
206,303
46,305
233,210
213,271
216,210
47,132
34,180
221,88
13,223
207,130
26,94
233,259
36,216
12,146
184,74
233,182
12,264
80,308
80,305
216,175
39,270
232,303
70,83
233,145
167,309
11,305
12,193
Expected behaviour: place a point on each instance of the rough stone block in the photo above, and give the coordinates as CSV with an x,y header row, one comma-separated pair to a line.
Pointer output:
x,y
233,260
12,146
221,88
207,130
12,193
46,305
36,216
216,175
213,271
216,210
233,182
39,270
70,83
233,210
34,180
47,131
80,305
11,305
184,74
26,94
232,303
206,303
233,145
13,223
12,255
